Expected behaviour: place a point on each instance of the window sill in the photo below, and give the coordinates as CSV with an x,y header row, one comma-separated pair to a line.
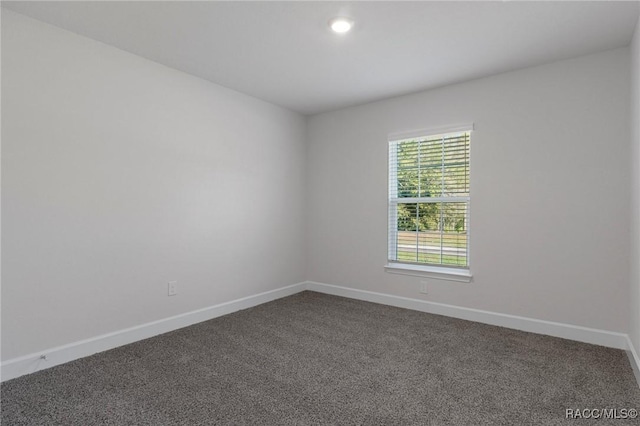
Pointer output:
x,y
427,271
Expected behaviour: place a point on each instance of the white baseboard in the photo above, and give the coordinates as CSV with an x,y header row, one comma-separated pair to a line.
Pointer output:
x,y
55,356
634,359
566,331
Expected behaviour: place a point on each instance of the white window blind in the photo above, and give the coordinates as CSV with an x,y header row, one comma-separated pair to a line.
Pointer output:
x,y
429,200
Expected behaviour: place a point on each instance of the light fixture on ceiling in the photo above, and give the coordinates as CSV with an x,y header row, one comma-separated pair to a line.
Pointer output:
x,y
341,25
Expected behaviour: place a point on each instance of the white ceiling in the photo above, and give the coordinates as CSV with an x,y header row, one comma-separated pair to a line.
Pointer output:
x,y
284,52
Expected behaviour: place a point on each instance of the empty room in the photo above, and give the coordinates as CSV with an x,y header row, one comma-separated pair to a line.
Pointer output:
x,y
320,213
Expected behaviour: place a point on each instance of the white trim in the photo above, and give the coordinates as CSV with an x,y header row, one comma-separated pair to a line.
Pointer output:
x,y
399,136
392,232
413,200
566,331
428,271
55,356
634,359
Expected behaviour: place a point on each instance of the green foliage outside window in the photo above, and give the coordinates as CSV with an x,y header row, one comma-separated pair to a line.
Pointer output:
x,y
433,168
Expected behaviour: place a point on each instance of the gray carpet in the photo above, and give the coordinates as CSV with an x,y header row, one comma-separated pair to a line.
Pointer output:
x,y
317,359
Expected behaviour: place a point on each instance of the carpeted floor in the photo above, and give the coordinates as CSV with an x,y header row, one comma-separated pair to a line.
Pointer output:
x,y
317,359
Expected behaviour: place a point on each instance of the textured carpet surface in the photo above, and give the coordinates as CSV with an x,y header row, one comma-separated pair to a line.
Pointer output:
x,y
317,359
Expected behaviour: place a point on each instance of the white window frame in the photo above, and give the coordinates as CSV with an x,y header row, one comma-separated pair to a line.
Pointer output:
x,y
427,271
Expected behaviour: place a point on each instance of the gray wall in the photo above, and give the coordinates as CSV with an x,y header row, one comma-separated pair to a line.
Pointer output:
x,y
549,191
119,175
634,320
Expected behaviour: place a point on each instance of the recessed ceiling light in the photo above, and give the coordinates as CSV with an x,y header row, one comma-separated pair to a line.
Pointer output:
x,y
341,25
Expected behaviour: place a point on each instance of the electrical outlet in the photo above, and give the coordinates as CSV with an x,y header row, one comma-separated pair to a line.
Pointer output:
x,y
172,288
423,287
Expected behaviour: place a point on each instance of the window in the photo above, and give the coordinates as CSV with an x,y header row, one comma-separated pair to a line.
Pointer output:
x,y
429,202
